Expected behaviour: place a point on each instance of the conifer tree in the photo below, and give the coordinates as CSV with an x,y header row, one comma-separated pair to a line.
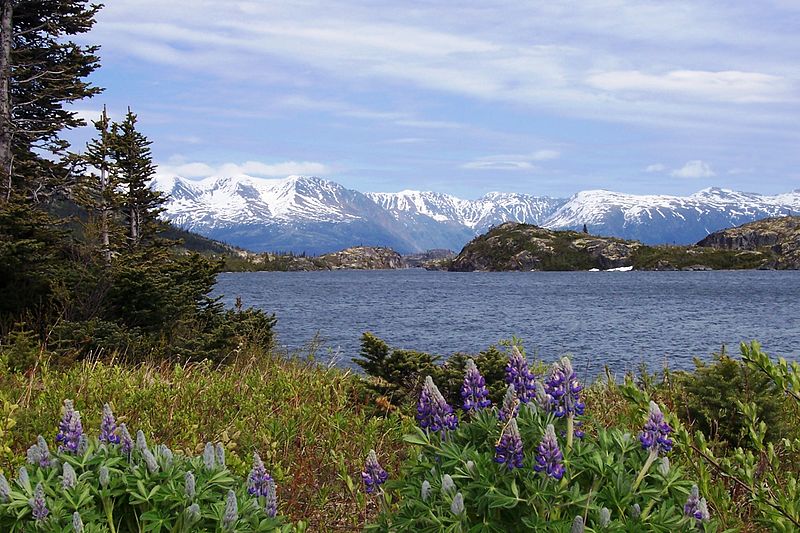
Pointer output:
x,y
134,163
41,70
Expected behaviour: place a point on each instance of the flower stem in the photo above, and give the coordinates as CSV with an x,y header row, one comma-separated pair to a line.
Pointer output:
x,y
570,430
647,464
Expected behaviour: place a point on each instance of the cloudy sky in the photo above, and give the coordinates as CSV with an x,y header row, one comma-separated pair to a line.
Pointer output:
x,y
540,97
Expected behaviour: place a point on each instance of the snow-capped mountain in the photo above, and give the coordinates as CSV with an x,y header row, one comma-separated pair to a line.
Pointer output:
x,y
316,215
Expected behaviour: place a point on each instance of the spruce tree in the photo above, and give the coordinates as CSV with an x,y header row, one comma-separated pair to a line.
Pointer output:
x,y
134,163
41,71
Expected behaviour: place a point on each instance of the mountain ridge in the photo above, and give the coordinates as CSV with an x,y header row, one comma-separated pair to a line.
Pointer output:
x,y
315,215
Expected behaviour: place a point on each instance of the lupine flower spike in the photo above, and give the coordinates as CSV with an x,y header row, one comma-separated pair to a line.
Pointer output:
x,y
104,476
577,525
209,457
563,390
141,441
373,475
457,507
518,374
39,453
231,515
474,394
271,499
108,427
605,517
510,407
549,458
655,435
258,479
509,448
5,489
68,478
448,485
193,513
433,412
125,440
70,429
696,507
425,491
38,504
189,485
219,455
77,523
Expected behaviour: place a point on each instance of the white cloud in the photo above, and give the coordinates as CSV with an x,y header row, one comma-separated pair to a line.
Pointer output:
x,y
694,169
655,167
250,168
511,162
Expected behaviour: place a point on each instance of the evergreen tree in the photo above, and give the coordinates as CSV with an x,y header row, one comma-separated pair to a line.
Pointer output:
x,y
134,162
41,70
585,229
98,190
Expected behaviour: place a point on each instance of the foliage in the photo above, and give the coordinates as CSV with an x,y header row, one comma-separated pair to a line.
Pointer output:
x,y
651,257
455,482
122,487
7,423
304,420
711,393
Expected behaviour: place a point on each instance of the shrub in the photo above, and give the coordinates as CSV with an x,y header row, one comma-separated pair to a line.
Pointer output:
x,y
111,483
526,466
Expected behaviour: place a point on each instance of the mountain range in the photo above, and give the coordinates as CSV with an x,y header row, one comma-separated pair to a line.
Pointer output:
x,y
314,215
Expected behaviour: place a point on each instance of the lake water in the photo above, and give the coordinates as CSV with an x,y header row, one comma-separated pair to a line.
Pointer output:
x,y
617,319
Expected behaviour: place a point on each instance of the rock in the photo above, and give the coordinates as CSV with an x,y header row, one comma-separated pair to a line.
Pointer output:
x,y
363,258
776,238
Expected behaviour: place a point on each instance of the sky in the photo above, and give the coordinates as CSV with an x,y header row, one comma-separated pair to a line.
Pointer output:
x,y
538,97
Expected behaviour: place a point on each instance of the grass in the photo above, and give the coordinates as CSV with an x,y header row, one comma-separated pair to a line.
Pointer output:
x,y
313,426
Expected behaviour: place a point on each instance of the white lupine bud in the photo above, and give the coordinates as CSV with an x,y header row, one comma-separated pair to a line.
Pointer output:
x,y
605,517
448,485
426,490
457,507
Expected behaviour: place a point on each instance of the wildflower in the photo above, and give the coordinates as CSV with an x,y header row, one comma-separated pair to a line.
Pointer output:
x,y
636,511
141,441
457,507
83,445
38,504
258,479
39,453
231,515
509,448
166,454
549,458
77,523
696,507
577,525
655,436
23,477
150,461
663,466
542,399
510,407
189,485
518,374
563,390
271,499
433,412
209,460
373,475
426,490
473,390
219,453
448,485
70,428
68,478
605,517
5,489
108,427
471,467
126,442
104,476
193,513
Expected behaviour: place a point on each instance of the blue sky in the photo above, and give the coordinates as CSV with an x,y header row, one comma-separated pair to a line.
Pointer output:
x,y
546,98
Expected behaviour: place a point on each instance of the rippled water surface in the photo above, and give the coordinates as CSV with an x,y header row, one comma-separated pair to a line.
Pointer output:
x,y
618,319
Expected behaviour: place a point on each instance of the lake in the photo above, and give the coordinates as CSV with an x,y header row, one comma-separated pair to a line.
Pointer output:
x,y
619,319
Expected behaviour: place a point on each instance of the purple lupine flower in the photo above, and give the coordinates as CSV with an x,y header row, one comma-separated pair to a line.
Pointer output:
x,y
39,453
510,406
38,504
373,475
68,478
271,499
258,479
519,375
474,394
433,412
549,458
125,440
655,436
509,448
5,489
70,429
108,427
219,454
696,507
563,390
231,515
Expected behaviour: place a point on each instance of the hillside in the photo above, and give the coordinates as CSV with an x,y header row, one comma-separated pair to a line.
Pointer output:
x,y
769,243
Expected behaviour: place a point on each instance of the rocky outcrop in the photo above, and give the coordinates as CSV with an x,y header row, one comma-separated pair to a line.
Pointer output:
x,y
777,239
363,258
523,247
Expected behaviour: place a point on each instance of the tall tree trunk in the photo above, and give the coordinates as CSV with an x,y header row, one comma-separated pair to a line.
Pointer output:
x,y
6,35
104,209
